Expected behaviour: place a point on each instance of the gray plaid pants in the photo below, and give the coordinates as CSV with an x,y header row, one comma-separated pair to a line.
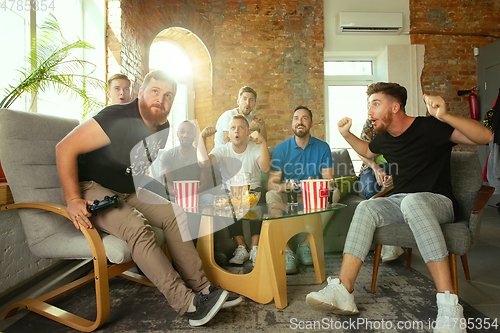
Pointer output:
x,y
423,212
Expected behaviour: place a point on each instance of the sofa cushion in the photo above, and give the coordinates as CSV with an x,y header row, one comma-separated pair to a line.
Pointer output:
x,y
342,163
345,185
335,232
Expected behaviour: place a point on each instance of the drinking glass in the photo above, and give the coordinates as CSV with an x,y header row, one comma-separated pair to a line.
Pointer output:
x,y
292,186
331,189
240,187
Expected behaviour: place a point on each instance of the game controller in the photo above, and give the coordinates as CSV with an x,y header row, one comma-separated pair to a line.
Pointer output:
x,y
103,204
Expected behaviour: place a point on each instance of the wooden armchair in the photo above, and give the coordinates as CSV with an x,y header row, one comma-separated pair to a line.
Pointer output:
x,y
460,236
27,152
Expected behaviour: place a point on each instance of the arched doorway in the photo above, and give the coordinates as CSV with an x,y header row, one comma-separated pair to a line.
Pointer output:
x,y
183,54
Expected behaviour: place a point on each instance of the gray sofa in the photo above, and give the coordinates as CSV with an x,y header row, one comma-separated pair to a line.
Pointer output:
x,y
335,232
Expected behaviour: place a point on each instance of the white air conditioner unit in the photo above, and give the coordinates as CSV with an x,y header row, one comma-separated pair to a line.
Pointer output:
x,y
370,23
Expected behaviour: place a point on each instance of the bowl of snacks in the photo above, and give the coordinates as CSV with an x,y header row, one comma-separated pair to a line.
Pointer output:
x,y
221,201
251,215
253,198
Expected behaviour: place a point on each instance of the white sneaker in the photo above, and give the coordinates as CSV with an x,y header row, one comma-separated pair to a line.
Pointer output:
x,y
240,255
390,252
334,297
450,314
253,254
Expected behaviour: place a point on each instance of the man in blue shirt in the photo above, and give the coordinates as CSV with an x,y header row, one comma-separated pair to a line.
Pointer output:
x,y
300,157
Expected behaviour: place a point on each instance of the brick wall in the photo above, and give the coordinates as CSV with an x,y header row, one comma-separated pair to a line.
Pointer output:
x,y
276,47
450,30
17,263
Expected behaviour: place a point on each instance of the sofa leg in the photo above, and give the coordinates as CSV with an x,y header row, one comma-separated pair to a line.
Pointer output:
x,y
376,262
465,265
408,259
453,270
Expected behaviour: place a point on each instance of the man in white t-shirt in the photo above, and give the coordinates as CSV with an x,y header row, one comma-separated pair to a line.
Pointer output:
x,y
180,163
237,156
247,99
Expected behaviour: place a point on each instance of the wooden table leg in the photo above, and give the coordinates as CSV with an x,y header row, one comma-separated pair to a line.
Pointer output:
x,y
273,239
275,234
255,285
267,280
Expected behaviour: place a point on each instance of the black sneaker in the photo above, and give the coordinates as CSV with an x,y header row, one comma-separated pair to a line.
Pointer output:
x,y
207,306
232,300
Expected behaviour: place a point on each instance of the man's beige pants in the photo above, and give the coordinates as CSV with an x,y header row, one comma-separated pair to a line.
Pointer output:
x,y
132,222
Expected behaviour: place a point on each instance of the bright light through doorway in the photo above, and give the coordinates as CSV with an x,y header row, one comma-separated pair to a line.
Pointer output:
x,y
170,58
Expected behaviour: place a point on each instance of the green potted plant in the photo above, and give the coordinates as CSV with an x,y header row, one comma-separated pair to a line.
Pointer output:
x,y
54,67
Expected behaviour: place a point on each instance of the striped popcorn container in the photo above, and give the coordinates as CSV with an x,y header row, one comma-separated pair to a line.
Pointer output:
x,y
186,193
314,193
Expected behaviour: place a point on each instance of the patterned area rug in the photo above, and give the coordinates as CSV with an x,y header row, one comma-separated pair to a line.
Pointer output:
x,y
403,302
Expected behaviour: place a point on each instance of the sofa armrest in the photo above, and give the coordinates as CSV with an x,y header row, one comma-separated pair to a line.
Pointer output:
x,y
483,196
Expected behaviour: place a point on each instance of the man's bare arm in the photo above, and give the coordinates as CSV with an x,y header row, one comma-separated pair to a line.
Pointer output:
x,y
327,173
204,159
467,131
85,138
382,178
258,119
360,146
264,160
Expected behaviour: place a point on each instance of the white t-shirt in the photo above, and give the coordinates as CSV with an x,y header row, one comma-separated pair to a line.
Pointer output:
x,y
232,163
183,167
223,125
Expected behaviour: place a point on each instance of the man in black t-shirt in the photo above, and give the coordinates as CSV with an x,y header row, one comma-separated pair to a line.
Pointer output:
x,y
110,154
418,150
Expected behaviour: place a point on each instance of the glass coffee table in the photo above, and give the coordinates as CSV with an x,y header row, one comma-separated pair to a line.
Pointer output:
x,y
267,280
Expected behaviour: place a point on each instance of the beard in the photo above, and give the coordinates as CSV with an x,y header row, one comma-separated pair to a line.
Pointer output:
x,y
301,133
158,118
382,125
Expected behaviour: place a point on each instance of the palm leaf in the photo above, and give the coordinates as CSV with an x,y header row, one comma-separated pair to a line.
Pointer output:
x,y
54,67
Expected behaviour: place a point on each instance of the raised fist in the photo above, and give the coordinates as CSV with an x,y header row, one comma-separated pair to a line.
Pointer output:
x,y
208,132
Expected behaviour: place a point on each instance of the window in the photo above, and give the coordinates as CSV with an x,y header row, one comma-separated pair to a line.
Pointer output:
x,y
348,68
74,20
18,26
346,83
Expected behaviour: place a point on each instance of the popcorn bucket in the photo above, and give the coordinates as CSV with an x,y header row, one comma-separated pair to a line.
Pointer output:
x,y
314,193
186,193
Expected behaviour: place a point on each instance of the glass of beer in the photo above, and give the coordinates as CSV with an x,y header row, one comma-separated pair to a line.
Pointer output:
x,y
240,187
